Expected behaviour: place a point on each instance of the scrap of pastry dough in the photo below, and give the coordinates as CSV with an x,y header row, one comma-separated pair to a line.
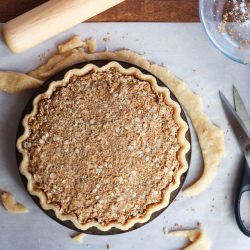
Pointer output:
x,y
211,137
10,204
14,82
79,237
197,237
74,42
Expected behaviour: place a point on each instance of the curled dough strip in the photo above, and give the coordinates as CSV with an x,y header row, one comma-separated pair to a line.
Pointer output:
x,y
199,240
14,82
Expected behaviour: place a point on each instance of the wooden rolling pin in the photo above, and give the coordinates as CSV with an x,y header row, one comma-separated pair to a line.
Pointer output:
x,y
50,19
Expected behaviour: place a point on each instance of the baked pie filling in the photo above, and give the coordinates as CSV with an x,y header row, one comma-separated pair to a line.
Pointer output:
x,y
104,147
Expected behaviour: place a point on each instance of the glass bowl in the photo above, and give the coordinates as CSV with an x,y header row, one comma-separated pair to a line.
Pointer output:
x,y
227,24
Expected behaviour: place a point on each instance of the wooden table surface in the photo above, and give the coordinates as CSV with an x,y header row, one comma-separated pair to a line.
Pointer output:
x,y
128,11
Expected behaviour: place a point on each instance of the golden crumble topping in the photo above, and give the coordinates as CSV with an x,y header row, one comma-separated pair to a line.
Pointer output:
x,y
103,147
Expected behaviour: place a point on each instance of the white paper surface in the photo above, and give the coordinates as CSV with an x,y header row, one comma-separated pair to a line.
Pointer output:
x,y
185,49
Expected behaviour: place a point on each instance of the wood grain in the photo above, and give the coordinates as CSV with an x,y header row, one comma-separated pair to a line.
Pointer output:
x,y
128,11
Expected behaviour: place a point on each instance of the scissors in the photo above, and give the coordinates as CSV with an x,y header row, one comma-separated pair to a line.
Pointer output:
x,y
240,122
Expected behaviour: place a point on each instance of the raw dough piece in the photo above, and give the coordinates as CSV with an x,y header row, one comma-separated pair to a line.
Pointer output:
x,y
198,238
79,237
11,205
13,82
74,42
211,138
91,45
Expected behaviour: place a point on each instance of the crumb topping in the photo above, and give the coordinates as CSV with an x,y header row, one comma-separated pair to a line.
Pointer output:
x,y
236,21
104,147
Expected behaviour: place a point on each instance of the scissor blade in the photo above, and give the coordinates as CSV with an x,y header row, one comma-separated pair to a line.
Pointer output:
x,y
241,109
239,128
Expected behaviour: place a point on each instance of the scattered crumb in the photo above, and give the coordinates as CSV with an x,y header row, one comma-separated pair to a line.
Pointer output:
x,y
176,227
106,39
108,247
11,205
192,209
42,57
198,224
194,70
79,237
164,230
221,26
236,16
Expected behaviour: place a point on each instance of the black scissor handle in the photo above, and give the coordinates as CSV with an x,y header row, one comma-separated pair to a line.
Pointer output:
x,y
244,187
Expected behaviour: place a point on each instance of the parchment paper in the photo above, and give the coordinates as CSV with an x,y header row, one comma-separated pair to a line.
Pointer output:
x,y
185,49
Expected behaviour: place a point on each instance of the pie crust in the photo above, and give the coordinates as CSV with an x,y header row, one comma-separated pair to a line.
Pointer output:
x,y
180,154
